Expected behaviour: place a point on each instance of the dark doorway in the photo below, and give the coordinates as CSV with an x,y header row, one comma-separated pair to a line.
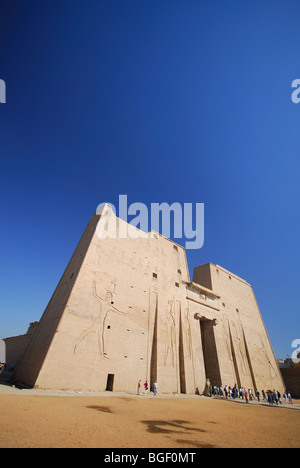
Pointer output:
x,y
110,383
210,353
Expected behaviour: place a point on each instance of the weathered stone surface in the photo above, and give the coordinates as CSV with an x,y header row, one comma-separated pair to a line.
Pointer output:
x,y
126,309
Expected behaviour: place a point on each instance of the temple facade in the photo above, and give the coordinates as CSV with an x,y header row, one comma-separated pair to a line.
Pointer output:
x,y
126,309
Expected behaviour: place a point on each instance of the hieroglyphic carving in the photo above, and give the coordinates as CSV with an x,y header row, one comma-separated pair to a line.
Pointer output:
x,y
188,333
170,325
240,349
266,354
97,325
226,339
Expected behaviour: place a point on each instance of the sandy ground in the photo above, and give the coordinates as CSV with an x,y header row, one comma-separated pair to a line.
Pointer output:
x,y
38,419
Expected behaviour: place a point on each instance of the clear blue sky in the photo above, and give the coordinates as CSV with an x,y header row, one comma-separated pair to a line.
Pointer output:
x,y
162,100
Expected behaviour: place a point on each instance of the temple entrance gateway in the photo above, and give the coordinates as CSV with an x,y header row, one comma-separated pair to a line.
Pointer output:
x,y
210,353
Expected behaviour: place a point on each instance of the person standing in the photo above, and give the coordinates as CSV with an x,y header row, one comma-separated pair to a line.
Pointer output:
x,y
279,398
155,388
146,387
139,387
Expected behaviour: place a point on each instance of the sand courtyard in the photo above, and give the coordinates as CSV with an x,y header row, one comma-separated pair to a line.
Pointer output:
x,y
41,419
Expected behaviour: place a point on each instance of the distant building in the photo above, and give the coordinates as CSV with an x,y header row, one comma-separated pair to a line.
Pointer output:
x,y
290,372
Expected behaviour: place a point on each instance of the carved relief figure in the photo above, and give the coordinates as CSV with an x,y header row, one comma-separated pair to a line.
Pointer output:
x,y
97,325
242,353
266,354
240,349
171,335
226,339
188,331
